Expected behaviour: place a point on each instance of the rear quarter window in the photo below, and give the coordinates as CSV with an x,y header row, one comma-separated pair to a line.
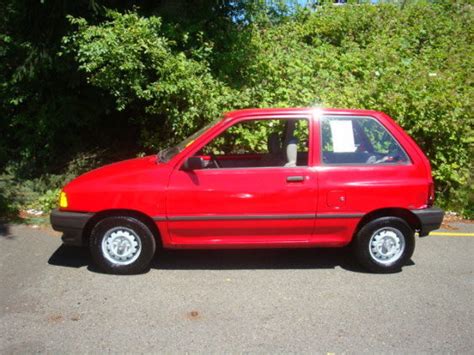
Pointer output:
x,y
357,140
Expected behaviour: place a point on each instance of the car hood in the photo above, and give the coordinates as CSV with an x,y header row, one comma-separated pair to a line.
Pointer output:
x,y
127,172
135,184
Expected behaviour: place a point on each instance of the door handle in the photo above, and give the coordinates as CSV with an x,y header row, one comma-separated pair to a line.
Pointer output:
x,y
294,178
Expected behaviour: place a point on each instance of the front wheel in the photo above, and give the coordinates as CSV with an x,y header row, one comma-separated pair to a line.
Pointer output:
x,y
122,245
384,245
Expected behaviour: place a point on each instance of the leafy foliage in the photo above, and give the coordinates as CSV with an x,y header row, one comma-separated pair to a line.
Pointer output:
x,y
111,75
173,91
42,193
413,64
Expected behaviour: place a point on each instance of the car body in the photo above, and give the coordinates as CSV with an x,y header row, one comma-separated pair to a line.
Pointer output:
x,y
248,197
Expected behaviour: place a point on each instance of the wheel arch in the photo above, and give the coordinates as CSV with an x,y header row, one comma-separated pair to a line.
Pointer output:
x,y
412,220
142,217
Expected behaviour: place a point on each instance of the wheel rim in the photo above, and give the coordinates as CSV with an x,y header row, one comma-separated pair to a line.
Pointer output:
x,y
387,245
121,246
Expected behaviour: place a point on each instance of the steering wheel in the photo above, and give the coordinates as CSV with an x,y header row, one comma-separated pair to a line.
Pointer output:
x,y
214,160
383,160
373,159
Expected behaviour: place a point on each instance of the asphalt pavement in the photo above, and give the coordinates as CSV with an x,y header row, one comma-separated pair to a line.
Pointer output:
x,y
265,301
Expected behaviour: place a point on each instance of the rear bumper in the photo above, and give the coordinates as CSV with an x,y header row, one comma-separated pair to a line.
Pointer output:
x,y
430,219
72,225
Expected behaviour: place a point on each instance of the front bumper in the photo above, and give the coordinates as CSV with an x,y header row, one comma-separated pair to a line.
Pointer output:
x,y
430,219
72,225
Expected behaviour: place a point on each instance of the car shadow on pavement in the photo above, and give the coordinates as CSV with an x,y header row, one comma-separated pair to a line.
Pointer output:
x,y
311,258
255,259
67,256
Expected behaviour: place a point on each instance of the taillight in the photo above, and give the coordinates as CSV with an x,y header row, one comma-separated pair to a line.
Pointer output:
x,y
431,194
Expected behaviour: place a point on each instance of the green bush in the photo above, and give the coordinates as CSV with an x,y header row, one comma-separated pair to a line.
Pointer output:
x,y
128,80
130,57
47,201
412,62
42,193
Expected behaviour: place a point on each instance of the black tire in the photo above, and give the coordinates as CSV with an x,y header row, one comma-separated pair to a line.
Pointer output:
x,y
371,260
135,232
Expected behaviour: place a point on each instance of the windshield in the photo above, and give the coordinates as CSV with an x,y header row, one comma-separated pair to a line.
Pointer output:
x,y
167,154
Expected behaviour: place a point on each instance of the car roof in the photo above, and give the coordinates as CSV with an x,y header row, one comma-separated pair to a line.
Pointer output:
x,y
297,110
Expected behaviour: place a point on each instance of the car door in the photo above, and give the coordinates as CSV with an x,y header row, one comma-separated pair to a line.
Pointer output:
x,y
254,196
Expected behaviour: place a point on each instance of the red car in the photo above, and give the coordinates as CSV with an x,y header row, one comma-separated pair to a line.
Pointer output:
x,y
260,178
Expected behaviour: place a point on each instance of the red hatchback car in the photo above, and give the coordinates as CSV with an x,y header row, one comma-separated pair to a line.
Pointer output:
x,y
260,178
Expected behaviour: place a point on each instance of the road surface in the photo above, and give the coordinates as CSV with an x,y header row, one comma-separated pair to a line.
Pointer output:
x,y
263,301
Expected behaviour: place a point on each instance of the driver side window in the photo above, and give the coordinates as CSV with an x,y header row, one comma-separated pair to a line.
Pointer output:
x,y
259,143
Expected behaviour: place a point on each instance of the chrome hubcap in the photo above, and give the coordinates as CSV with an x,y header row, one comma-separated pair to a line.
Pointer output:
x,y
387,245
121,246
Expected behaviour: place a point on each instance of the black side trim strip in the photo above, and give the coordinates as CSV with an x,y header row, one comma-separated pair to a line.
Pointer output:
x,y
240,217
258,217
339,215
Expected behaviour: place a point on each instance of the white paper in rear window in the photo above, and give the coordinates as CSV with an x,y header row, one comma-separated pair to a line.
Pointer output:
x,y
342,136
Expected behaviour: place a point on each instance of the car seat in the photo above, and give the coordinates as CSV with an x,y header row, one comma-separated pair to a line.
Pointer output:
x,y
291,152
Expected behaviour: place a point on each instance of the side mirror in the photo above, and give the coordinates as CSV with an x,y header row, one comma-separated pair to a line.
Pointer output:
x,y
193,163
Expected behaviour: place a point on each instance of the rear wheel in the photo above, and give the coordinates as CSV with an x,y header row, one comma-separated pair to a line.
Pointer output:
x,y
384,245
122,245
